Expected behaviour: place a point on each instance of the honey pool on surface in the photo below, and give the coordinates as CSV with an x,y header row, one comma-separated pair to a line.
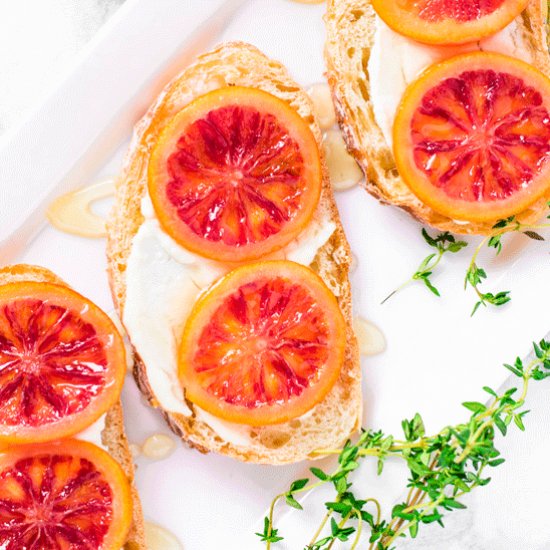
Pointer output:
x,y
159,538
322,105
158,447
344,172
370,339
72,212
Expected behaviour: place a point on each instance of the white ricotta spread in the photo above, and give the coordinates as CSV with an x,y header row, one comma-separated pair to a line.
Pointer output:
x,y
163,281
395,61
92,433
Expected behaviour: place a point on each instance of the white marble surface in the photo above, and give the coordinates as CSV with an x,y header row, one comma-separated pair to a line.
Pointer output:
x,y
39,42
41,39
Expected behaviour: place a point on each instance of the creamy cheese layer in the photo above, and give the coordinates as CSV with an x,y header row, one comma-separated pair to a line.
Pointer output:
x,y
163,281
395,61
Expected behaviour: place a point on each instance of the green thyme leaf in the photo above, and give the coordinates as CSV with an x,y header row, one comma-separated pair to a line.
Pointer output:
x,y
291,501
268,537
474,406
298,484
443,243
319,474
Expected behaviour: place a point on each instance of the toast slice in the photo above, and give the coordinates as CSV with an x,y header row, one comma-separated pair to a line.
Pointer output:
x,y
113,436
351,27
330,422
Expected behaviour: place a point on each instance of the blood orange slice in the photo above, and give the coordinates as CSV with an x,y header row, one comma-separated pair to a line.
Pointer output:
x,y
448,21
68,495
263,345
62,362
235,175
472,137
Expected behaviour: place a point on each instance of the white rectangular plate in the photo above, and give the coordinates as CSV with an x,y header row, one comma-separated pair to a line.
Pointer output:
x,y
437,356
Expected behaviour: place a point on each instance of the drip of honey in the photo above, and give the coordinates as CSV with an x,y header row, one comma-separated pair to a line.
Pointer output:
x,y
322,105
370,339
344,171
73,213
158,446
158,538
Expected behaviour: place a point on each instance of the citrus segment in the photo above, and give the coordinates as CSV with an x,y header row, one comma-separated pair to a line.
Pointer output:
x,y
62,362
448,21
472,137
458,10
263,345
68,495
235,175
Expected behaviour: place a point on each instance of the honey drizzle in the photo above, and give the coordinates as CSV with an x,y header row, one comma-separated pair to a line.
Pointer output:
x,y
322,105
158,446
72,212
370,338
344,171
159,538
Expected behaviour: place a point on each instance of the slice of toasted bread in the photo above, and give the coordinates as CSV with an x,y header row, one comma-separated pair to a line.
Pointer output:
x,y
333,420
113,436
351,27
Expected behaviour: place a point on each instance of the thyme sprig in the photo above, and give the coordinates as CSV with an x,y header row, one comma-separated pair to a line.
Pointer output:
x,y
443,468
475,275
443,243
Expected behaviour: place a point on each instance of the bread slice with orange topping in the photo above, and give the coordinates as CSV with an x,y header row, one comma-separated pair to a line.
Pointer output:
x,y
338,415
113,436
351,55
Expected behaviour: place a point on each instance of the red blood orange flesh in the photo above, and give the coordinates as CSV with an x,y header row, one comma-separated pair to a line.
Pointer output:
x,y
62,362
263,345
458,10
448,21
68,495
235,175
472,137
